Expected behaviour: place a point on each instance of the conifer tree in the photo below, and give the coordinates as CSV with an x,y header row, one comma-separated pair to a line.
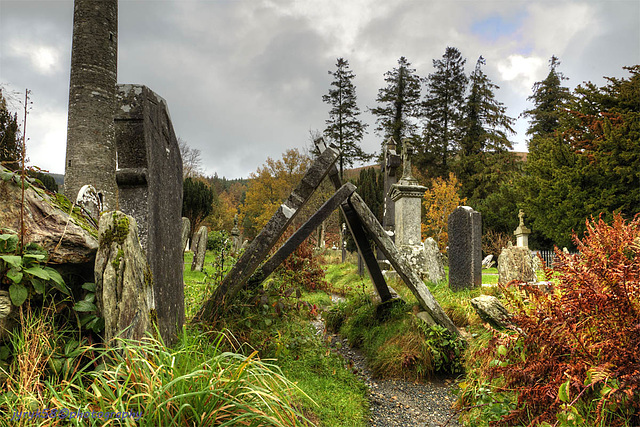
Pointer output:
x,y
484,141
549,97
399,103
343,126
443,111
9,137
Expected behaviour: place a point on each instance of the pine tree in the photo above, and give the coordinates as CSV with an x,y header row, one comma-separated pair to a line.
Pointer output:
x,y
344,127
443,111
400,103
9,137
549,97
482,159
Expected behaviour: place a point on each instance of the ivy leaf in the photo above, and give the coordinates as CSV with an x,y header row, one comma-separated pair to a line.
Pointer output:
x,y
15,275
91,287
84,306
58,281
8,243
90,297
38,285
18,294
12,260
38,272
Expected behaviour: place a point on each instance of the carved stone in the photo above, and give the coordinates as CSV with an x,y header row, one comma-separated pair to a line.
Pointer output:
x,y
516,263
491,310
465,248
186,230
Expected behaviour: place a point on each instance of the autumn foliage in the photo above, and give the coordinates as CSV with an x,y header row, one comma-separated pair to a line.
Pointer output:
x,y
439,202
577,357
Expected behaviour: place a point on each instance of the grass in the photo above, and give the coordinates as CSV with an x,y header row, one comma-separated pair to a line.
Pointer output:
x,y
336,397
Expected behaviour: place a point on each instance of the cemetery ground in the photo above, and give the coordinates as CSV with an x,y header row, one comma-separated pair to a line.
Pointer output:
x,y
572,359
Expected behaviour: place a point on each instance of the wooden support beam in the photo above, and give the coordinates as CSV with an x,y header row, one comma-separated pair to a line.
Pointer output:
x,y
301,234
397,260
259,248
359,236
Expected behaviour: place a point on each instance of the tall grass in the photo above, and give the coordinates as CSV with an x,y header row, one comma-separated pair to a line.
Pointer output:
x,y
196,384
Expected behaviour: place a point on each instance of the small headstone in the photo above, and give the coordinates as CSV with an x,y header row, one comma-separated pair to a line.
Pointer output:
x,y
186,229
522,232
488,262
89,200
7,321
516,263
465,248
434,266
426,318
491,310
236,242
124,283
199,248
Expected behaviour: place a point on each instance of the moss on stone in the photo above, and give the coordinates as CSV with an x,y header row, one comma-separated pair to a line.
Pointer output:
x,y
117,232
77,215
116,262
148,278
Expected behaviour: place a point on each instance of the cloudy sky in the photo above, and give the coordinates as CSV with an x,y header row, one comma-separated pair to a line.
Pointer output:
x,y
244,79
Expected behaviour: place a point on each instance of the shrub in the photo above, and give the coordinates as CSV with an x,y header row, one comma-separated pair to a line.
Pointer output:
x,y
302,269
218,240
577,357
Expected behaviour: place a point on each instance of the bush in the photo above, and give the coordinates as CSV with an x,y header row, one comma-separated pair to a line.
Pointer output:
x,y
576,360
302,270
218,240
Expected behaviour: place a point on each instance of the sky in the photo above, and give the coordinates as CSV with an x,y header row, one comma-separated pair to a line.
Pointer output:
x,y
244,79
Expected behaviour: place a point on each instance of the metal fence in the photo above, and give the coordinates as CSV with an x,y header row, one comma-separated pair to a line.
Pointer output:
x,y
549,256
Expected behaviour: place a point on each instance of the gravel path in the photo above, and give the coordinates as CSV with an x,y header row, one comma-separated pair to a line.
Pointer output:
x,y
399,403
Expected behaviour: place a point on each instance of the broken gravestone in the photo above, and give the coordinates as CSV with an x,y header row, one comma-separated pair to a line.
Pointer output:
x,y
516,263
199,248
186,229
124,283
487,262
434,265
465,248
491,310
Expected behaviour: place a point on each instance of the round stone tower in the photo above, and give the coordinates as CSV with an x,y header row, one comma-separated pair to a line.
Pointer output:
x,y
91,147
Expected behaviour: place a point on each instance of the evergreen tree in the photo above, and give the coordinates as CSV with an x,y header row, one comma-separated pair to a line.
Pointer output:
x,y
482,159
399,103
443,111
591,167
9,137
549,97
198,199
344,126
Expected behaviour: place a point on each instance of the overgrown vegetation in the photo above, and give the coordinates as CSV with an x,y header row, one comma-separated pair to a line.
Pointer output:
x,y
574,360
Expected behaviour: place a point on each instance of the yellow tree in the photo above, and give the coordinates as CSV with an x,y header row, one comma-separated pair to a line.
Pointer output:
x,y
269,186
439,202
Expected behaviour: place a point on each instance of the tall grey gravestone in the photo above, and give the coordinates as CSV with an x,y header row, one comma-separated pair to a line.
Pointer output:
x,y
465,248
149,178
186,230
199,248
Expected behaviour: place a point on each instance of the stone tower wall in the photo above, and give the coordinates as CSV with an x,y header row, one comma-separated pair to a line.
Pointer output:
x,y
91,152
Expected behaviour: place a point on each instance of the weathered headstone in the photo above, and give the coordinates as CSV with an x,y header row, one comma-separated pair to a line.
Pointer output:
x,y
89,200
124,282
186,229
522,232
199,248
487,262
149,178
465,248
491,310
516,263
407,195
236,240
434,265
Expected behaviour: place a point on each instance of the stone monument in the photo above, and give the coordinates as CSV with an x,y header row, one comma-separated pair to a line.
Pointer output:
x,y
516,263
186,230
149,178
522,232
407,195
391,162
199,248
91,146
465,248
236,240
